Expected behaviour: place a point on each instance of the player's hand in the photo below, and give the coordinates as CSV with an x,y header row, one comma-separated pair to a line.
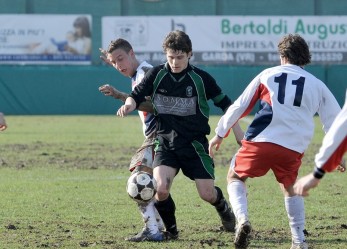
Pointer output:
x,y
103,56
110,91
215,143
303,185
342,166
3,124
128,107
3,127
124,110
106,89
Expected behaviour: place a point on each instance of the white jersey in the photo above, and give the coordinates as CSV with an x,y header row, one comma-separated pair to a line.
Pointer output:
x,y
146,118
289,98
334,143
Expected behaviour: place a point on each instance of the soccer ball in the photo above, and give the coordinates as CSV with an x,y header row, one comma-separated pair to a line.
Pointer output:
x,y
141,187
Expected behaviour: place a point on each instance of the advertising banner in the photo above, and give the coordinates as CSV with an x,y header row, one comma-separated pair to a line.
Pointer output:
x,y
232,40
45,39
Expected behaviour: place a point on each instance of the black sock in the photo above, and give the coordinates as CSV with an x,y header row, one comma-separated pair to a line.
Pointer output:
x,y
166,209
220,202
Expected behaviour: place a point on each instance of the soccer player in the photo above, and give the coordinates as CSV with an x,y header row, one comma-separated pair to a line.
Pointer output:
x,y
3,124
281,130
179,92
330,154
121,56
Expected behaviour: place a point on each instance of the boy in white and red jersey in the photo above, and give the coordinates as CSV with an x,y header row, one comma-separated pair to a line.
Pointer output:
x,y
330,154
281,130
121,56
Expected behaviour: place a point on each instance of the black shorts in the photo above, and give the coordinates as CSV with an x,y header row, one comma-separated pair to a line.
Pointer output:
x,y
193,159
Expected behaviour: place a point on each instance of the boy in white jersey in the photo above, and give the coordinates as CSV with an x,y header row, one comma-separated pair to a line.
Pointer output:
x,y
279,134
330,154
121,56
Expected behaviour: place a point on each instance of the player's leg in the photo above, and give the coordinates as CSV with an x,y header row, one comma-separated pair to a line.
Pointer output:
x,y
249,161
164,203
286,172
238,199
214,195
150,231
199,166
295,208
142,161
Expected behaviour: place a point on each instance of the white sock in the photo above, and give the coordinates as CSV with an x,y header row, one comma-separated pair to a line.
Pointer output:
x,y
296,215
149,217
238,199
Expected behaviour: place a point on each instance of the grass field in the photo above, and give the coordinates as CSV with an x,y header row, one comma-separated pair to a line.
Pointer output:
x,y
62,185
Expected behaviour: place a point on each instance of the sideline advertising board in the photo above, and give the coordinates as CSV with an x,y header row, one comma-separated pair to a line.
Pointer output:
x,y
45,39
232,40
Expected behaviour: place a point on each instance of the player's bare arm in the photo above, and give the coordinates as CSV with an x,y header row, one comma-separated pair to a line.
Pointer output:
x,y
215,143
304,184
128,107
108,90
238,133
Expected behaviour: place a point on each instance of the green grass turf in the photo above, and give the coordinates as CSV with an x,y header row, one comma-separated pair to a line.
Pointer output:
x,y
62,185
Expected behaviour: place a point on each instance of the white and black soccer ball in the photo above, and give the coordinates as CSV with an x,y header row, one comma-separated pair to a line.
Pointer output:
x,y
141,187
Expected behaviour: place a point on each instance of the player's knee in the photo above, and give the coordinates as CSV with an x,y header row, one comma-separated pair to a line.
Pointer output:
x,y
232,176
162,193
208,196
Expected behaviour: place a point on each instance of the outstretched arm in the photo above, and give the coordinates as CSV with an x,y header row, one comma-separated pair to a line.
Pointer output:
x,y
108,90
304,184
214,143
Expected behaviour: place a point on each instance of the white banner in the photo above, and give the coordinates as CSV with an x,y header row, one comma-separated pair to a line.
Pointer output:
x,y
239,40
45,39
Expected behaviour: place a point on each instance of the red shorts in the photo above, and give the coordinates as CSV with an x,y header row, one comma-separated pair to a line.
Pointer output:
x,y
255,159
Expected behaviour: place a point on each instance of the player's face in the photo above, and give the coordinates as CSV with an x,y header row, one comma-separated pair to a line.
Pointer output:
x,y
177,60
122,61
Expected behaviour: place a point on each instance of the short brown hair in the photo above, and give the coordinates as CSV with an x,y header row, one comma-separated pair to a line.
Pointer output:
x,y
177,41
295,49
119,44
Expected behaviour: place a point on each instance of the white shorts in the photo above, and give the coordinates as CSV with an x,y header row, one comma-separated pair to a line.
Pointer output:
x,y
144,155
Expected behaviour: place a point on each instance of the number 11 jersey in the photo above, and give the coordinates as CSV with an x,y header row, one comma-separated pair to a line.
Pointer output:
x,y
288,98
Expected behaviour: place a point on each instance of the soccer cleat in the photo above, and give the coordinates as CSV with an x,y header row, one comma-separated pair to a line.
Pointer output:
x,y
302,245
146,235
242,233
227,217
170,236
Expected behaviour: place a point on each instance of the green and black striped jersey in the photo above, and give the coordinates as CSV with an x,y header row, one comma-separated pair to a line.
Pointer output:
x,y
180,101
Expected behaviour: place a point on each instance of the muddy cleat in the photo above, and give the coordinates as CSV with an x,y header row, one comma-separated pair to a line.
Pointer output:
x,y
227,217
146,235
170,236
302,245
242,233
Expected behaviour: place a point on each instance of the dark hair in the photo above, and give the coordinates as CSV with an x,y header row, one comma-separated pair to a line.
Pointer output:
x,y
119,44
178,41
83,23
295,49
